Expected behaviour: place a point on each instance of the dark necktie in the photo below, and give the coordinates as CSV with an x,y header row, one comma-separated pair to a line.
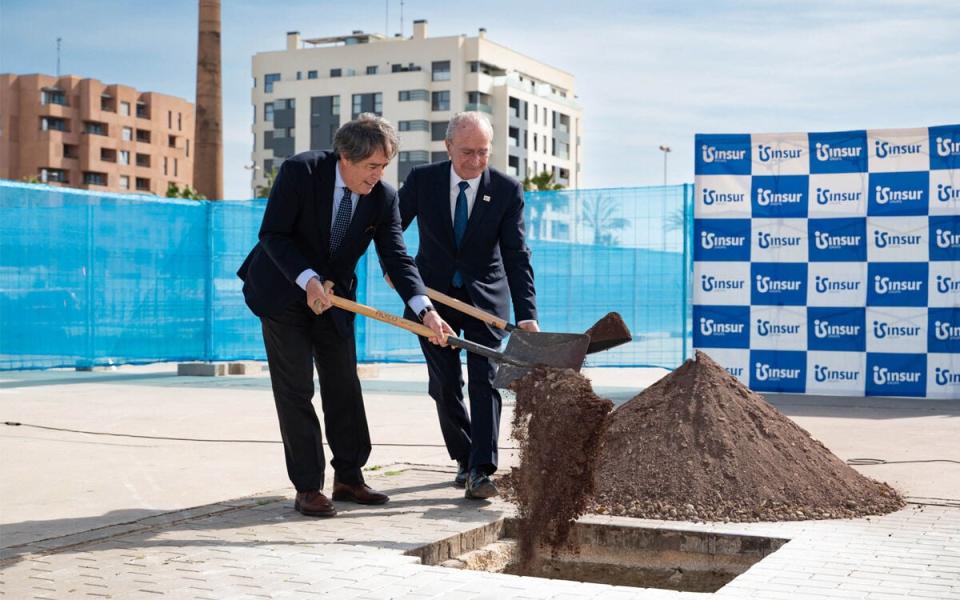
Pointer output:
x,y
460,225
342,222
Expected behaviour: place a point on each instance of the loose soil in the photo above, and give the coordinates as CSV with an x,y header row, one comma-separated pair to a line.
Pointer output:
x,y
699,445
558,422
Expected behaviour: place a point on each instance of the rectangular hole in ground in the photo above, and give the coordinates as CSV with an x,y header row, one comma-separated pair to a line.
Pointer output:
x,y
672,559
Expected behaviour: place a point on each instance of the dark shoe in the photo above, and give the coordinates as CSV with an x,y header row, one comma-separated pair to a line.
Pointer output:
x,y
360,493
460,480
314,504
479,486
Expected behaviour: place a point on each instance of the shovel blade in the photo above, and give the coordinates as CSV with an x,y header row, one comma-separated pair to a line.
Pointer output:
x,y
608,332
526,350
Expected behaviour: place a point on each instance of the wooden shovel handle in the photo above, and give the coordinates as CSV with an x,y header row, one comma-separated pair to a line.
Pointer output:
x,y
369,311
467,309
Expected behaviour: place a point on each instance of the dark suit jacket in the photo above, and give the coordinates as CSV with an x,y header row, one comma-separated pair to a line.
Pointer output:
x,y
295,235
493,258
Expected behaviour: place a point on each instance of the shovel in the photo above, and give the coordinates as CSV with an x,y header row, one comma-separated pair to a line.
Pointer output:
x,y
524,351
608,332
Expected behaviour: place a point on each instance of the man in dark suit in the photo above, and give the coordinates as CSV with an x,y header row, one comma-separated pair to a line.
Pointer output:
x,y
470,219
323,211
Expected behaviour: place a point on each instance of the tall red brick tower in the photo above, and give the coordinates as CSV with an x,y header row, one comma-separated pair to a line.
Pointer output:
x,y
208,135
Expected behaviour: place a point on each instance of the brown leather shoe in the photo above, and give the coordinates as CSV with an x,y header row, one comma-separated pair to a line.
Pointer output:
x,y
360,493
314,504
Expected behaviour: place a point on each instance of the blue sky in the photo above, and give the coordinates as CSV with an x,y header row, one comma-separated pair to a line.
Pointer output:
x,y
648,73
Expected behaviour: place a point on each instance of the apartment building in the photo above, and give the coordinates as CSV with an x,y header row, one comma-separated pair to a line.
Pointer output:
x,y
82,133
302,94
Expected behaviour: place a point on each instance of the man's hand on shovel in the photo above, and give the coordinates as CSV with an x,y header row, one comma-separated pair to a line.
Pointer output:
x,y
317,295
438,326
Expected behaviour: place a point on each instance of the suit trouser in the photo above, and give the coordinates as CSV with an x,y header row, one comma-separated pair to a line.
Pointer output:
x,y
296,340
472,438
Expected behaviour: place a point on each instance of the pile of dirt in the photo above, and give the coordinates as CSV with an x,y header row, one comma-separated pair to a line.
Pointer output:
x,y
558,422
699,445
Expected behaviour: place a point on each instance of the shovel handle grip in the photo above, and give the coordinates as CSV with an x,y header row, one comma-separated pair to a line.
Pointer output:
x,y
467,309
369,311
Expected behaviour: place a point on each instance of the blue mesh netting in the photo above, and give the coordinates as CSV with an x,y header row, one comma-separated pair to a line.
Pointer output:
x,y
92,279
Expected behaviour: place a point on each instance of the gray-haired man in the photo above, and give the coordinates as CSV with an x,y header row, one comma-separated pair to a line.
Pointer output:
x,y
323,211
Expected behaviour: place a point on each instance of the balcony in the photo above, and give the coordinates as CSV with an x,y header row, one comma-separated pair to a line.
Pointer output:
x,y
478,107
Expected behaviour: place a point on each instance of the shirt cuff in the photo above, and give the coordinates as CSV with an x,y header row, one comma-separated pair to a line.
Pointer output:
x,y
304,277
418,303
526,321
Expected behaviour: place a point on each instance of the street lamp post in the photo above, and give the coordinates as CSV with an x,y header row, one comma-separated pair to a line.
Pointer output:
x,y
665,150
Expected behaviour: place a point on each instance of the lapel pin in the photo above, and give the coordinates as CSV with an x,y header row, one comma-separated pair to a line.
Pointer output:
x,y
486,198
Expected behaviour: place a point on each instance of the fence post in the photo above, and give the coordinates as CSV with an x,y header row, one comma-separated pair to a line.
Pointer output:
x,y
208,285
687,223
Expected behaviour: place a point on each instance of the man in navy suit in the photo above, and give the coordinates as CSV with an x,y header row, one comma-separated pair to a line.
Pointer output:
x,y
470,219
323,211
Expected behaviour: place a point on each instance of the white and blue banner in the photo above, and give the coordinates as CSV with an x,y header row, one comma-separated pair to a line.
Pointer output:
x,y
829,263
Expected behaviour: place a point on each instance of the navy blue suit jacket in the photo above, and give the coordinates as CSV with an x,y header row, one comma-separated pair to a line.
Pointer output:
x,y
295,236
493,258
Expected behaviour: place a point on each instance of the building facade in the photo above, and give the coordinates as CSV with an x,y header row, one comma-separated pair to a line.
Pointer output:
x,y
302,94
85,134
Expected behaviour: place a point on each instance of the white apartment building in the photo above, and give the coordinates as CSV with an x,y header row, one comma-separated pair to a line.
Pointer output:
x,y
302,94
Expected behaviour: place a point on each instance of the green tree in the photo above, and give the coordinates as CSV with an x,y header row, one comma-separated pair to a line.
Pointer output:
x,y
542,183
31,179
600,214
173,191
263,191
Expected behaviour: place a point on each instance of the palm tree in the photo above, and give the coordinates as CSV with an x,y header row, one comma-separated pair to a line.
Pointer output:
x,y
542,183
600,214
263,191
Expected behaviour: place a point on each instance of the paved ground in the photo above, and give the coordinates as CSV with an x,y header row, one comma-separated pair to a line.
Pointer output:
x,y
84,515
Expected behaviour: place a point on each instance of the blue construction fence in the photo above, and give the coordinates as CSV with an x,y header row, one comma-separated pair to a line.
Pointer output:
x,y
90,279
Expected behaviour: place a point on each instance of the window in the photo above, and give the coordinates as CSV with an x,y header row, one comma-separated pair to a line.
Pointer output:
x,y
535,113
71,151
412,95
417,125
372,70
535,137
143,136
169,119
125,109
143,184
123,157
366,103
126,134
143,160
414,156
404,68
53,97
142,112
188,147
268,112
438,131
165,165
93,178
311,74
124,182
179,122
106,103
335,106
175,162
53,175
441,70
172,141
53,124
438,156
336,72
94,128
268,81
441,100
299,75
